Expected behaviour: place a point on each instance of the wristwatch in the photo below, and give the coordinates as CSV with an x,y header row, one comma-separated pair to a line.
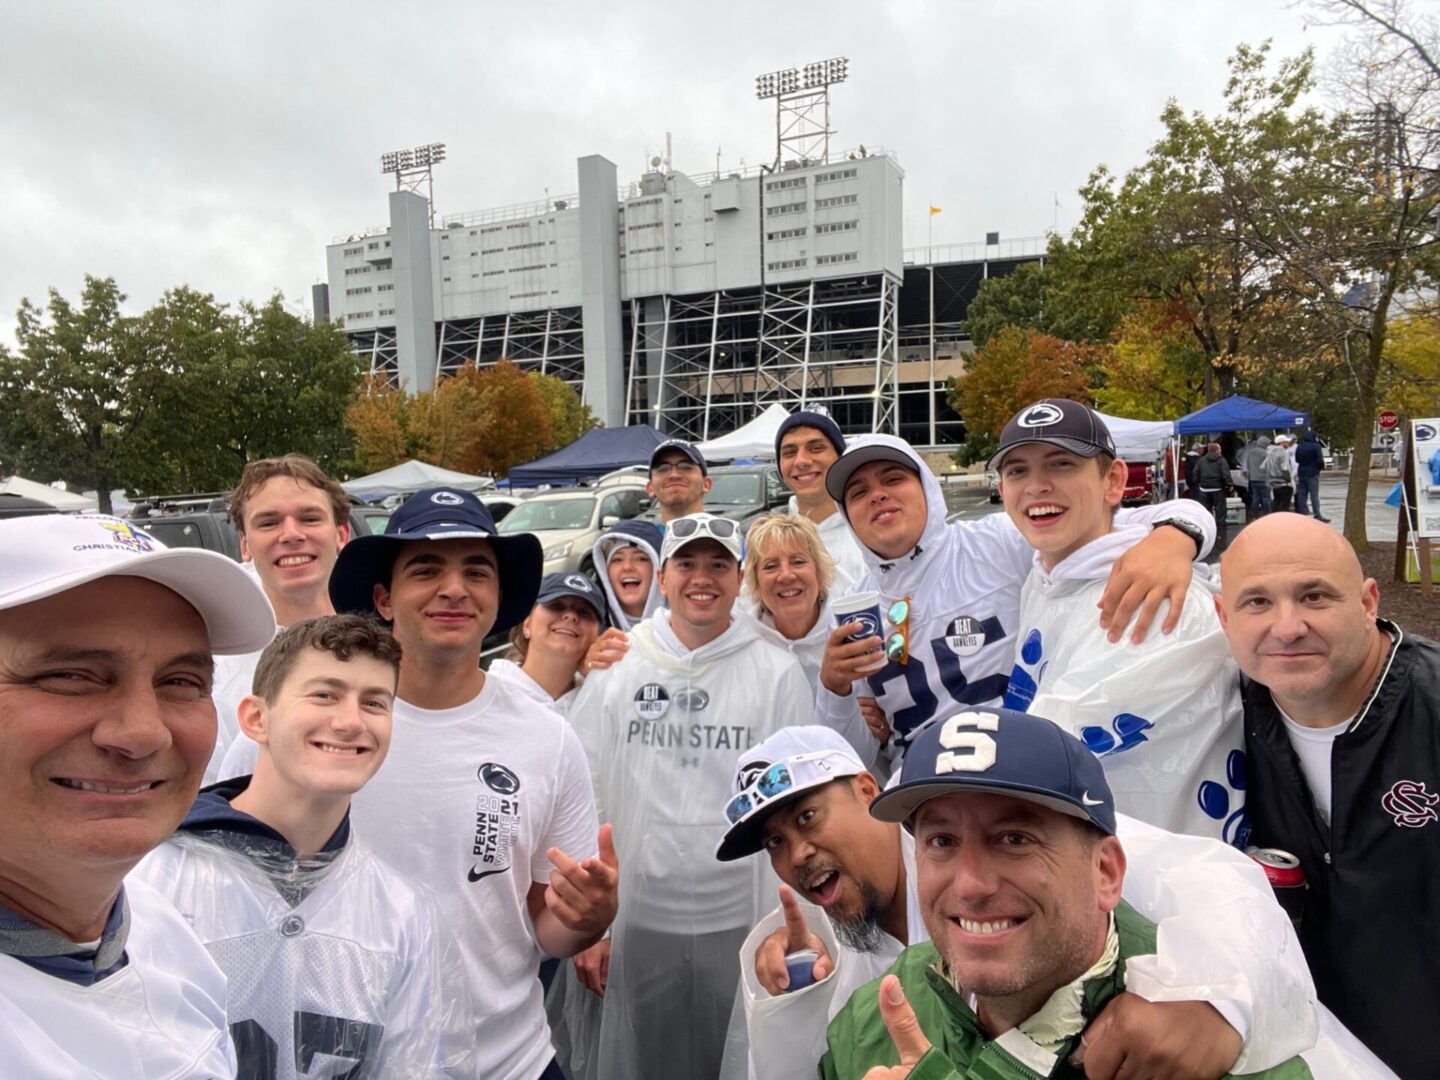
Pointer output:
x,y
1189,528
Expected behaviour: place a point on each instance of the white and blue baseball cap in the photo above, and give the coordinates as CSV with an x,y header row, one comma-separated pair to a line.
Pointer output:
x,y
1000,752
439,514
778,771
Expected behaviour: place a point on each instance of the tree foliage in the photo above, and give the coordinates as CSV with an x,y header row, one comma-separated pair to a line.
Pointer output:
x,y
177,398
1015,368
477,420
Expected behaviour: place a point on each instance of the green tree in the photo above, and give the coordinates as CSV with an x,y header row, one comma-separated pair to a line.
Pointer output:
x,y
1016,367
1156,368
73,394
1014,299
569,417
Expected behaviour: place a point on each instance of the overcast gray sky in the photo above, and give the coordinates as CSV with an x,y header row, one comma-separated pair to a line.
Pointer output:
x,y
223,144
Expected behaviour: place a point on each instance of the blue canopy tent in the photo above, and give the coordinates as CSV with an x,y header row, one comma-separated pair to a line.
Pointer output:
x,y
1239,413
593,454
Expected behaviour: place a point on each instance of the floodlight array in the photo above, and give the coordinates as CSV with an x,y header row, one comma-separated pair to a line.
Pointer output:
x,y
421,157
813,76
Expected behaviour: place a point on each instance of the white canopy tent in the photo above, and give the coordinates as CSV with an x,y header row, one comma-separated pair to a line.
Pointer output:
x,y
1139,440
413,475
64,501
753,440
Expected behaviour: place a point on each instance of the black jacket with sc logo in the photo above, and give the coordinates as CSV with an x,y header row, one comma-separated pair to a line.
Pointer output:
x,y
1371,921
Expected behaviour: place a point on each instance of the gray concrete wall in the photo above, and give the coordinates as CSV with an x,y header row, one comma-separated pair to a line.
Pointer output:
x,y
414,290
600,290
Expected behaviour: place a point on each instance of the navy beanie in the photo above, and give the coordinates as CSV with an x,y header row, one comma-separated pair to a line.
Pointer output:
x,y
821,422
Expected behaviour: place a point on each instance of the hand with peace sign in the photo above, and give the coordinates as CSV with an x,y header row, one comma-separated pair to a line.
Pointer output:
x,y
770,957
904,1031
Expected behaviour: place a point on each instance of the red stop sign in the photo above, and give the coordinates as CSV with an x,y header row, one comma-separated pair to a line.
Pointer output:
x,y
1388,419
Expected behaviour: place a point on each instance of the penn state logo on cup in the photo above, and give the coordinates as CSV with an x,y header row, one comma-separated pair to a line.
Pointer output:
x,y
446,498
652,701
965,635
1042,415
579,581
869,625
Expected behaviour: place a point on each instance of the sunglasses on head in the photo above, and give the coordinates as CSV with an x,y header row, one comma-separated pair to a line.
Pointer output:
x,y
684,468
720,528
779,779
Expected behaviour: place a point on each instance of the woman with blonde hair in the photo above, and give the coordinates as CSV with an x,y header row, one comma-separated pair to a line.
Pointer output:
x,y
788,577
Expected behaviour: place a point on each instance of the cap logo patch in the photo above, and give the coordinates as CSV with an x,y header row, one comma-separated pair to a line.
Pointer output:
x,y
579,582
1042,415
967,747
126,536
446,498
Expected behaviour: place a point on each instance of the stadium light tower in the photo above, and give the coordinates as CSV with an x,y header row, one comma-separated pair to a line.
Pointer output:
x,y
802,108
415,169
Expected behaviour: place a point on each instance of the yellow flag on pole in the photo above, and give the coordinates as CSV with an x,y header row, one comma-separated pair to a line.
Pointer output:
x,y
934,210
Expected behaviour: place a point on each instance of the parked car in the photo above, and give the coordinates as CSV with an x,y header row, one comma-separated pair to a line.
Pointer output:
x,y
1141,484
569,521
994,487
744,492
500,504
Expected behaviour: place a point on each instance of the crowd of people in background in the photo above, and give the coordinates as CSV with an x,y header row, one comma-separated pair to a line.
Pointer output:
x,y
864,792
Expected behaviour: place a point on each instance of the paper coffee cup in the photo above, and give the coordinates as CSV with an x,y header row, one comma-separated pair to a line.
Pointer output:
x,y
863,607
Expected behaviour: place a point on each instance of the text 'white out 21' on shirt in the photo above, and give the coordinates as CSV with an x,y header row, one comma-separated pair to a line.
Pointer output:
x,y
963,582
160,1017
465,806
1164,717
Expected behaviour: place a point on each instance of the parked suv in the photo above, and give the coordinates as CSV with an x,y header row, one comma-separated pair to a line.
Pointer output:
x,y
569,521
744,492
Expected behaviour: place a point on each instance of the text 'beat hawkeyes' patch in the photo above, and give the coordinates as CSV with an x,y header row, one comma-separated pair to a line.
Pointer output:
x,y
579,582
652,701
692,700
499,779
446,498
1041,415
965,635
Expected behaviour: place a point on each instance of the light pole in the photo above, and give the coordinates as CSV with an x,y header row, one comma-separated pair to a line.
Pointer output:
x,y
414,168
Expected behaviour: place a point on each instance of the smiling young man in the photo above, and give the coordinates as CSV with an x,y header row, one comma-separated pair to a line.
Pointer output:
x,y
106,648
1163,714
663,729
962,583
678,480
806,445
1029,944
293,520
1342,719
485,795
352,975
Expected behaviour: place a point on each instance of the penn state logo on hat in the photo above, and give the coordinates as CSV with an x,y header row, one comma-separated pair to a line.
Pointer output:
x,y
579,581
447,498
1042,415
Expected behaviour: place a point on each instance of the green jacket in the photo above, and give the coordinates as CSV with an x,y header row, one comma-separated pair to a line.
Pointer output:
x,y
961,1050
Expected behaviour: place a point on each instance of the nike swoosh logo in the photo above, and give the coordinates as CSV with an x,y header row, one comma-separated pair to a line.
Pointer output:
x,y
1087,801
475,875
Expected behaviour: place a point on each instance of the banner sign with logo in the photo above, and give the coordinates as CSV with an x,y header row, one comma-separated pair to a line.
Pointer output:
x,y
1425,439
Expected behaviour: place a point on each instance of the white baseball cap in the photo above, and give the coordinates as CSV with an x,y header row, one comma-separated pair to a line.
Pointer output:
x,y
52,553
777,771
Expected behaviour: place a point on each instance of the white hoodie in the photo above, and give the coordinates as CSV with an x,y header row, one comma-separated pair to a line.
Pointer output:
x,y
606,546
840,542
963,582
1163,717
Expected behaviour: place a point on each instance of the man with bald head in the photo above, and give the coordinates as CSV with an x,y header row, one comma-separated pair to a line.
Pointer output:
x,y
1342,726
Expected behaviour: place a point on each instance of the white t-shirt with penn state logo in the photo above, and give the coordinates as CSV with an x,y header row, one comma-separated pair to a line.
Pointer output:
x,y
465,806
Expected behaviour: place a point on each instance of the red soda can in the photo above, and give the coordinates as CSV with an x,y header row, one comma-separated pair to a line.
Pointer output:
x,y
1286,878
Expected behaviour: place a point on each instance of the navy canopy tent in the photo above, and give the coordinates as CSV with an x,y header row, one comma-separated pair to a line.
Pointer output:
x,y
1240,414
593,454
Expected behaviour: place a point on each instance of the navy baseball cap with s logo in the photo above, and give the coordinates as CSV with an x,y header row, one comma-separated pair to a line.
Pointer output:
x,y
1000,752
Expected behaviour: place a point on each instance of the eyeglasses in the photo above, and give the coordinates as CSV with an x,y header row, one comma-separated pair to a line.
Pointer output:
x,y
665,468
796,773
897,645
718,527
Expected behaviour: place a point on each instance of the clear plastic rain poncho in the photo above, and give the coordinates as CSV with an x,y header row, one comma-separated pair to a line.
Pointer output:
x,y
334,963
663,730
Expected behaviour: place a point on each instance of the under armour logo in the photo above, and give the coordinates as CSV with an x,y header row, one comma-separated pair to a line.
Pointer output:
x,y
1410,804
690,762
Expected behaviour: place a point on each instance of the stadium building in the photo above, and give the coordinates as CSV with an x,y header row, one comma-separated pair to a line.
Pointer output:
x,y
688,302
